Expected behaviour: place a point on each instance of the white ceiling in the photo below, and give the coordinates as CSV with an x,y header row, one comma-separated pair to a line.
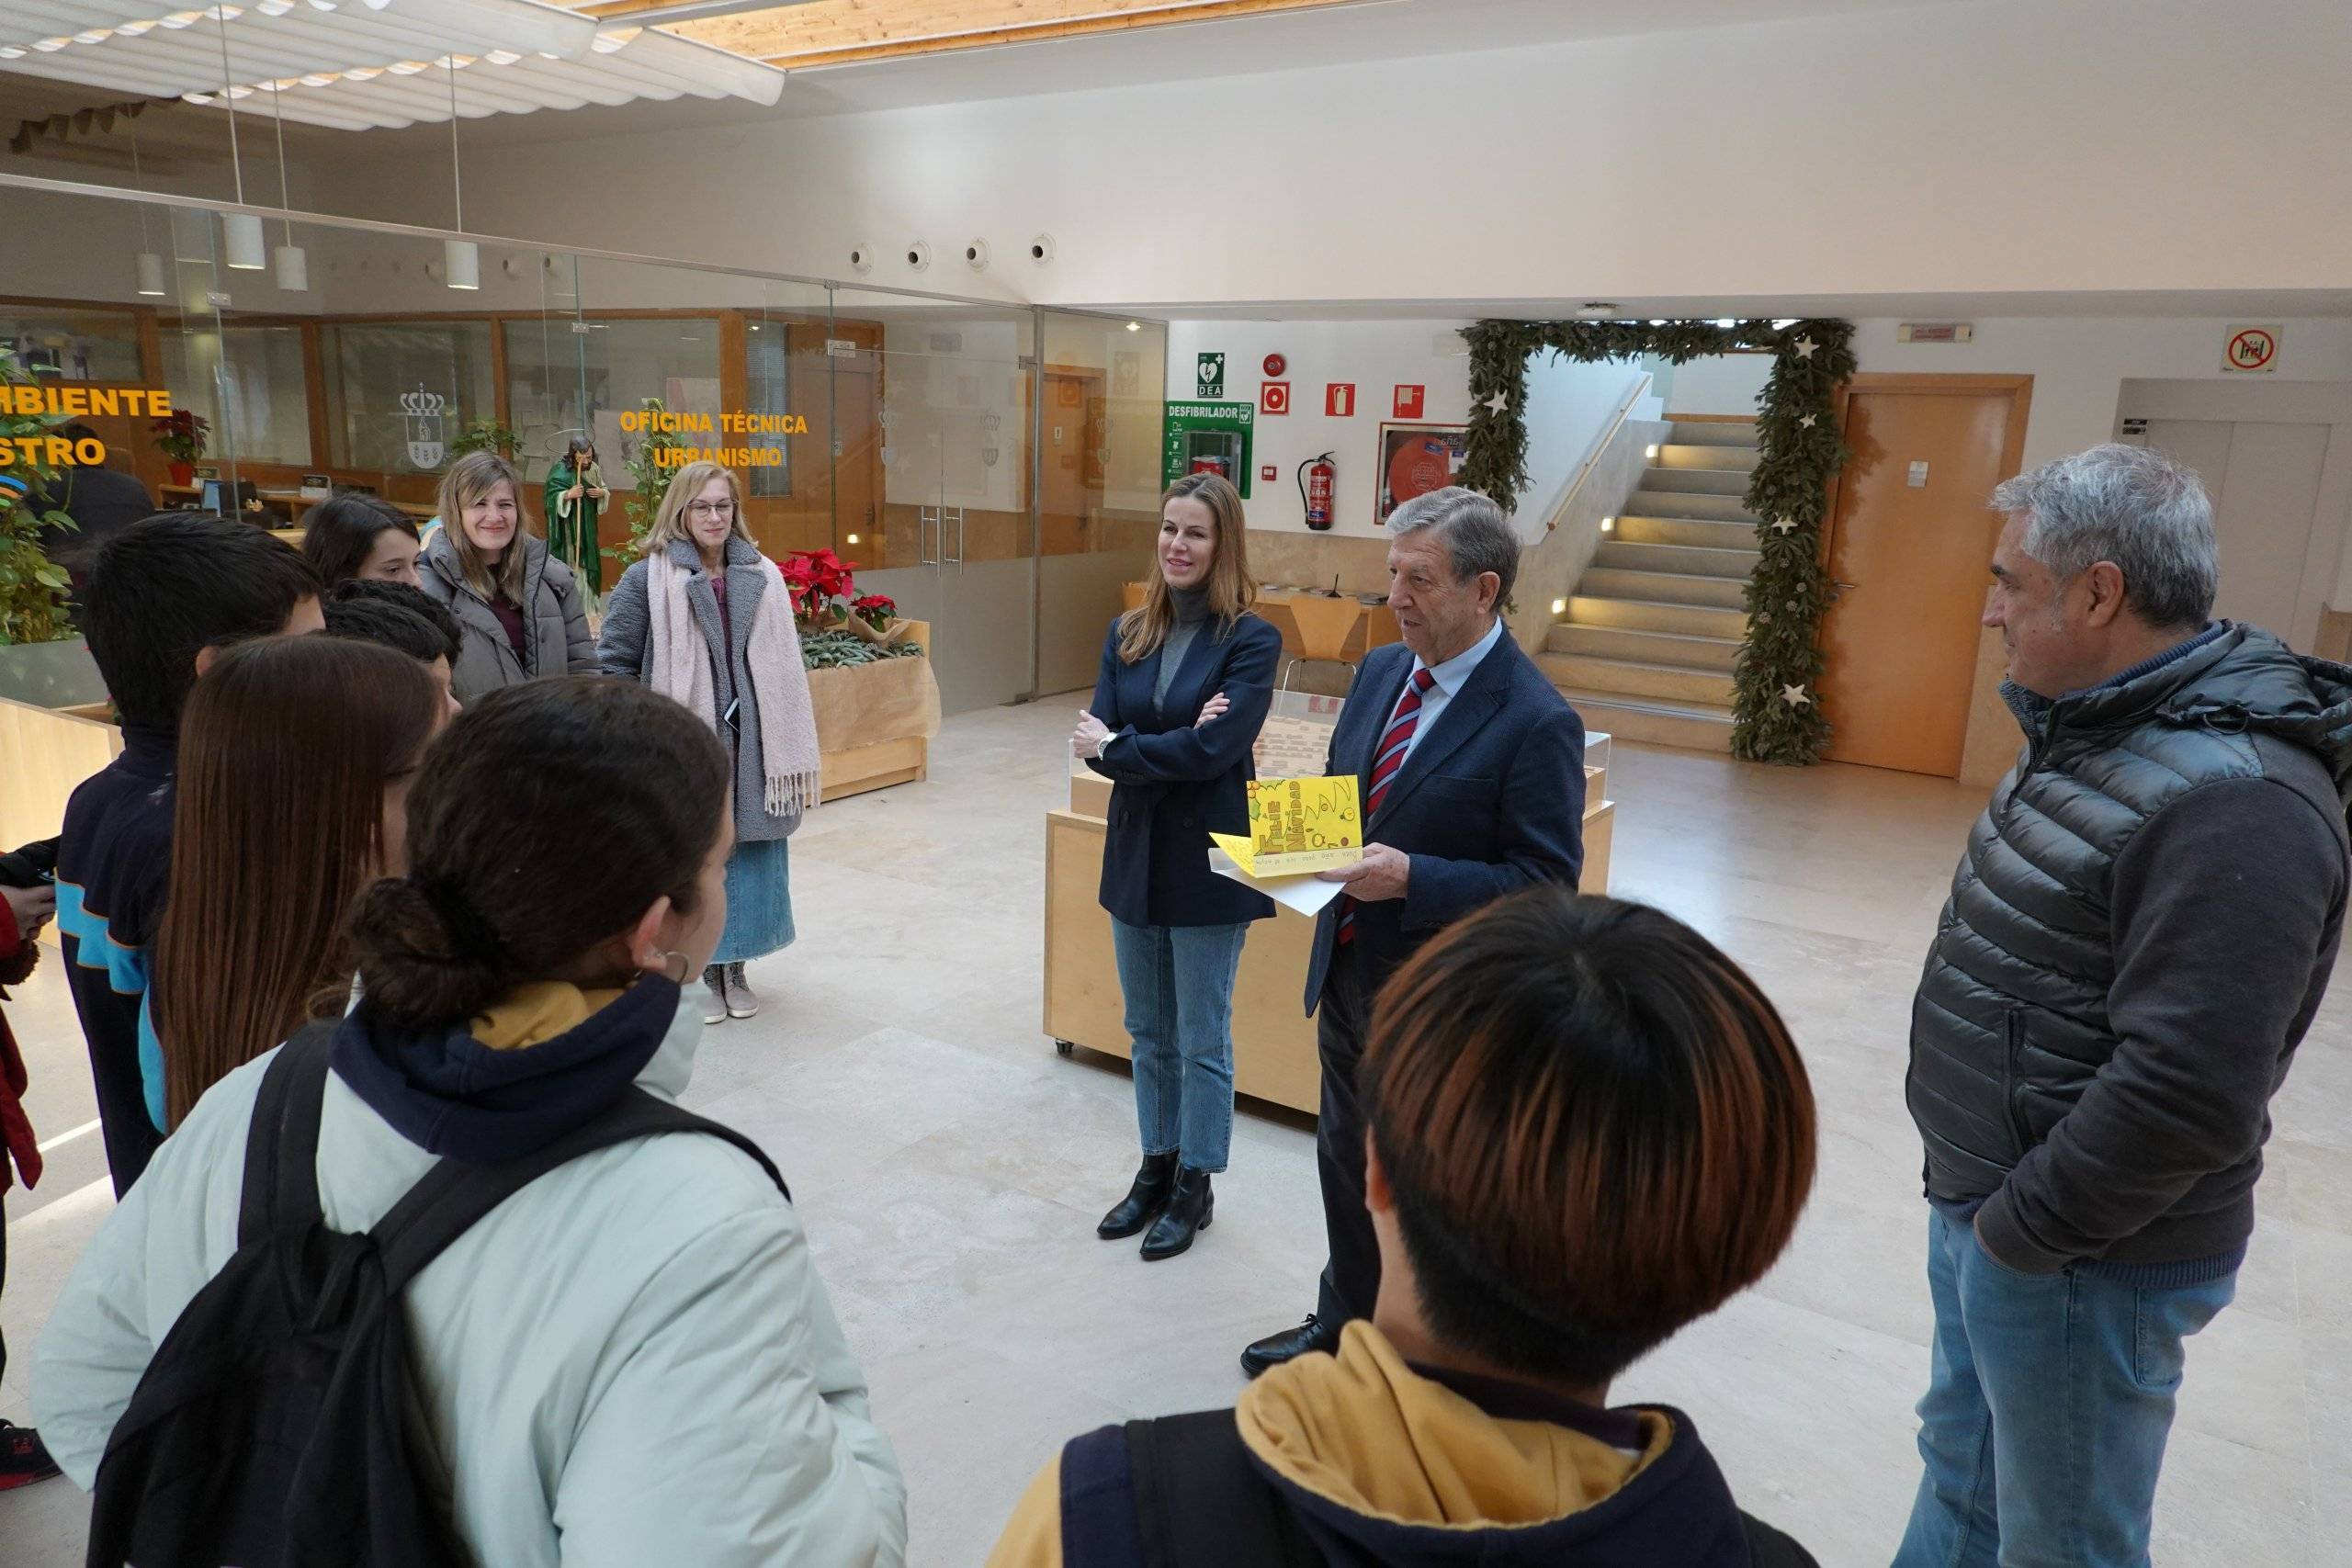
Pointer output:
x,y
363,64
1242,46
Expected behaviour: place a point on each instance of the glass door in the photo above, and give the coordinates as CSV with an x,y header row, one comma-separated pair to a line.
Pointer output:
x,y
953,539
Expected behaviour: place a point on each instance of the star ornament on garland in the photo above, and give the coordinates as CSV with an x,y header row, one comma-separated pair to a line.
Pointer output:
x,y
1498,403
1805,347
1785,525
1795,696
1808,420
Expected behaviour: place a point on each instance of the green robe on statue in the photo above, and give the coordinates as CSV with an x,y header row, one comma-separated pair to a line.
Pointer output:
x,y
572,525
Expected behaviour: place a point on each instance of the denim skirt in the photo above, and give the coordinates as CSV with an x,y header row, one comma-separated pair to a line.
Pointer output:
x,y
759,901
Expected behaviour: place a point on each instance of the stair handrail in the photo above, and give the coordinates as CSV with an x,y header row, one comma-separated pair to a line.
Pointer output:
x,y
1641,389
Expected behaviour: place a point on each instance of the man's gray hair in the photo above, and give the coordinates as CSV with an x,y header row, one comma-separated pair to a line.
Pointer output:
x,y
1476,535
2140,508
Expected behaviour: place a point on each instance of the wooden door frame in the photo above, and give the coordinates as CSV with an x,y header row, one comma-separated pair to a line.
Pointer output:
x,y
1925,383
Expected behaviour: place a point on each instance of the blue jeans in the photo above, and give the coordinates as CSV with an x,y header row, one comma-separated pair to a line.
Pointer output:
x,y
2045,1420
1178,982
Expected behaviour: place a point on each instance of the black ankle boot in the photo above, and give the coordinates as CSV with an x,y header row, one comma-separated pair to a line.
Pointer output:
x,y
1190,1206
1153,1179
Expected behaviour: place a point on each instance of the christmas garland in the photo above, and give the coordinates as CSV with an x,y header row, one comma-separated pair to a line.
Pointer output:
x,y
1775,715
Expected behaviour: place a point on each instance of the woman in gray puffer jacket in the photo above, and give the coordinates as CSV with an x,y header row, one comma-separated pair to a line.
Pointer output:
x,y
517,607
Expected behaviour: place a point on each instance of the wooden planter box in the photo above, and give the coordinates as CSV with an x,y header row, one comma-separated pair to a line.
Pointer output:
x,y
875,722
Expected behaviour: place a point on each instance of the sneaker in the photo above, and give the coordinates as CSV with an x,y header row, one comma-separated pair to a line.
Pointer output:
x,y
739,1001
23,1460
714,1006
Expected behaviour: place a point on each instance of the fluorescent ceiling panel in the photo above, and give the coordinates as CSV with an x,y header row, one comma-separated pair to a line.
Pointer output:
x,y
357,64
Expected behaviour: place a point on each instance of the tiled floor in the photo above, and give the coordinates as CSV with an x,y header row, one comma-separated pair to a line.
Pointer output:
x,y
951,1169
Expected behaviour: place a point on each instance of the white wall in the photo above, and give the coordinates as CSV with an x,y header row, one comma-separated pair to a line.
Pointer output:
x,y
2003,145
2079,364
1726,383
1375,356
1570,406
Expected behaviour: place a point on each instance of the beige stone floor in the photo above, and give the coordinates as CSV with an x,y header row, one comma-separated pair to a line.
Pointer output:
x,y
951,1169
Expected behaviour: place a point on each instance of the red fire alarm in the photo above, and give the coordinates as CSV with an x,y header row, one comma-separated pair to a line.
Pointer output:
x,y
1269,473
1276,365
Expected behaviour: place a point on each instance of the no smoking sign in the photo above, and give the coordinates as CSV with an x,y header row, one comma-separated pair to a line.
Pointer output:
x,y
2251,349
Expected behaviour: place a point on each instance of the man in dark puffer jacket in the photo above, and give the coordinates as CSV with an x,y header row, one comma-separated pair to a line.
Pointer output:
x,y
2140,932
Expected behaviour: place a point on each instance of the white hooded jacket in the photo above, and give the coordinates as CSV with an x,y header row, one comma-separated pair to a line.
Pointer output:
x,y
630,1361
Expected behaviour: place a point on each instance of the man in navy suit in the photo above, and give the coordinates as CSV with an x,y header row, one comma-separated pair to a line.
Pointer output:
x,y
1470,766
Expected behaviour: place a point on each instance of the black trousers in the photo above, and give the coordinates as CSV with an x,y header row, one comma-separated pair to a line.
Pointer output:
x,y
1352,1279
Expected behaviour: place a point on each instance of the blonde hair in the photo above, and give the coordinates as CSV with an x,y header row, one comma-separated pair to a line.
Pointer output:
x,y
685,485
470,479
1232,591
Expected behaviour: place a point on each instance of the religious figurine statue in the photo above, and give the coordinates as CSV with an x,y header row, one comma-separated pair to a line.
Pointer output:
x,y
575,496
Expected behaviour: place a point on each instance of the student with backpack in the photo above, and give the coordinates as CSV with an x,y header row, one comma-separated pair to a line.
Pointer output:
x,y
461,1257
166,596
1587,1127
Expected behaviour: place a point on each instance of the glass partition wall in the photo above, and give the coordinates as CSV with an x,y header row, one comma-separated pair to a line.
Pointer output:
x,y
993,468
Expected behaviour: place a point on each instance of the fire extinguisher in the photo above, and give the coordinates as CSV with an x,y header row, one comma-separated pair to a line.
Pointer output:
x,y
1316,477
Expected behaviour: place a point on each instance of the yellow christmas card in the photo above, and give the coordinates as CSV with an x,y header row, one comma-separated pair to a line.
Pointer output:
x,y
1297,827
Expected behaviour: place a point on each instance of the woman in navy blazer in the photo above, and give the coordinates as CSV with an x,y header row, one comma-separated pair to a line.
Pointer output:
x,y
1185,686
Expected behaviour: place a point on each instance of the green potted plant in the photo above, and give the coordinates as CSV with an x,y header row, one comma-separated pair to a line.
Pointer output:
x,y
180,437
32,587
658,456
487,435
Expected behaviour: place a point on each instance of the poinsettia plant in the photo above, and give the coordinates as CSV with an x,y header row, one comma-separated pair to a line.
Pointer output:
x,y
876,610
821,583
180,434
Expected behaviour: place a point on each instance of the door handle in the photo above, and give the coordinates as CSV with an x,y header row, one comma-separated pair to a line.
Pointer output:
x,y
1844,587
956,560
925,520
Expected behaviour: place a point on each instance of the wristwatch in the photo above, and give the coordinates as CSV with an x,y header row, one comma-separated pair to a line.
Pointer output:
x,y
1103,745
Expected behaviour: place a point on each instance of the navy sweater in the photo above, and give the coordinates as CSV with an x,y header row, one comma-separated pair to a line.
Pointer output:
x,y
114,865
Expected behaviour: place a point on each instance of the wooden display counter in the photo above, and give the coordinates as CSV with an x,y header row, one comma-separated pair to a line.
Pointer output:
x,y
1274,1041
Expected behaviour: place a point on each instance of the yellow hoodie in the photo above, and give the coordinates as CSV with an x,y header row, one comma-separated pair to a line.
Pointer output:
x,y
1375,1446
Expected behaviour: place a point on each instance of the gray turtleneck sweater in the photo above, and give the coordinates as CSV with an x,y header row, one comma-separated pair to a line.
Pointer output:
x,y
1192,613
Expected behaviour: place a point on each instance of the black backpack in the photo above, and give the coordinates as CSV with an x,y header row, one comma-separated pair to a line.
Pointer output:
x,y
1200,1502
274,1427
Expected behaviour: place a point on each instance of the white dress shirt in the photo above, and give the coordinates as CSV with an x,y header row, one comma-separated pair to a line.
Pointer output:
x,y
1450,677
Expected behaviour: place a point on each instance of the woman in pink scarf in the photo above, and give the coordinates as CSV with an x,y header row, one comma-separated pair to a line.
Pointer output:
x,y
705,618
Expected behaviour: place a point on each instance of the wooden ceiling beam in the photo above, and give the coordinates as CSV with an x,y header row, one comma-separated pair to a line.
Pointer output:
x,y
845,32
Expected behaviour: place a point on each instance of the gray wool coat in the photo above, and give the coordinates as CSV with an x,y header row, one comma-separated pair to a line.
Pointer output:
x,y
555,640
626,649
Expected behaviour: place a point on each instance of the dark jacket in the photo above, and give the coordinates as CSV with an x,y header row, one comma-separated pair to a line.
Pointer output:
x,y
555,628
1491,801
2139,931
623,650
1174,785
114,865
1380,1464
102,502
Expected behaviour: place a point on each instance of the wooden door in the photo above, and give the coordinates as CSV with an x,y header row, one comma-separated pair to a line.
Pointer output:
x,y
1911,543
1072,433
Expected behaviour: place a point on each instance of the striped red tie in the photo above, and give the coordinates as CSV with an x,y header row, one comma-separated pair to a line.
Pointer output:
x,y
1384,765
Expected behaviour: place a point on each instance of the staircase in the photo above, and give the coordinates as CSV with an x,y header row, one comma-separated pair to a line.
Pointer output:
x,y
1652,634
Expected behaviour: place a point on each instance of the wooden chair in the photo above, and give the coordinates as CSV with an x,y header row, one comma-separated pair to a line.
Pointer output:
x,y
1324,627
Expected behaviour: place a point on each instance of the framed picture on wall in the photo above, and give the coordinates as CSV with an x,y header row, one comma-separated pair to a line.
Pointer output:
x,y
1415,459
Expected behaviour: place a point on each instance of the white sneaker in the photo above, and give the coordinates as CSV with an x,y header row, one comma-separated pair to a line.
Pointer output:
x,y
714,1004
738,997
